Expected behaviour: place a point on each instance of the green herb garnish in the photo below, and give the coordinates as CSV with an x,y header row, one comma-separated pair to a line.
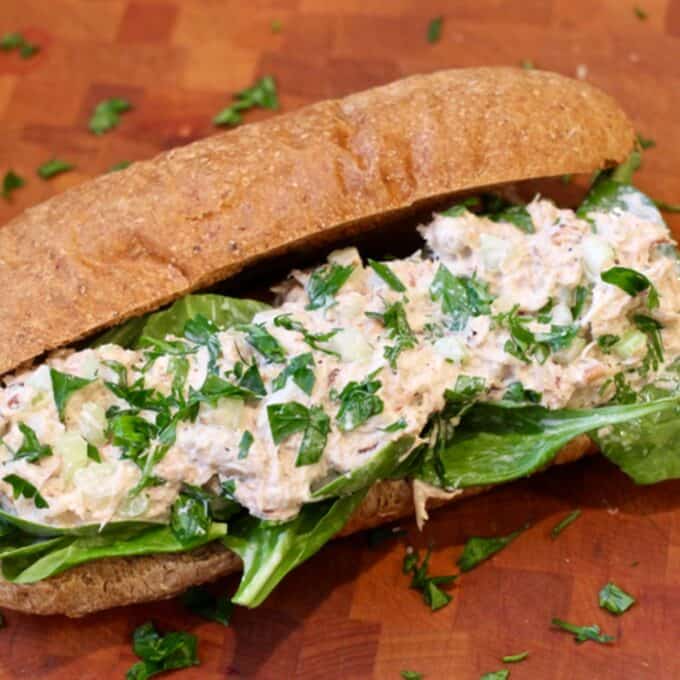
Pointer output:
x,y
16,41
200,601
517,215
31,450
632,282
120,165
583,633
10,183
159,653
615,600
411,675
645,142
244,445
640,13
261,95
478,549
358,402
606,342
580,297
22,487
515,658
325,282
398,329
564,523
433,596
496,675
387,275
301,370
652,329
314,340
460,296
190,518
434,30
54,167
63,386
276,26
107,113
527,64
289,418
264,342
517,392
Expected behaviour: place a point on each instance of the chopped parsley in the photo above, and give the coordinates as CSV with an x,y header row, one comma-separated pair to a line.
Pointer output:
x,y
615,600
31,450
607,341
641,14
580,297
120,165
467,390
262,94
248,377
16,41
395,426
106,115
215,388
22,487
411,675
10,183
478,549
429,586
434,30
398,329
312,339
54,167
623,392
203,332
264,342
325,282
63,386
517,215
527,64
517,392
291,417
190,518
93,453
160,653
583,633
276,26
460,296
564,523
301,370
244,445
387,275
544,314
358,402
496,675
645,142
515,658
200,601
652,329
462,207
632,282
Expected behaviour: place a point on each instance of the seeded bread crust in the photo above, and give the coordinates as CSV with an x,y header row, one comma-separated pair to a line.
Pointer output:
x,y
129,242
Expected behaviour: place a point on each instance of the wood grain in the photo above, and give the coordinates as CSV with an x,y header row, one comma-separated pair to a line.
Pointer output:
x,y
348,613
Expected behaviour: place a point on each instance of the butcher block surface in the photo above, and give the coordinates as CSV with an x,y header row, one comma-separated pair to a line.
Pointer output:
x,y
348,612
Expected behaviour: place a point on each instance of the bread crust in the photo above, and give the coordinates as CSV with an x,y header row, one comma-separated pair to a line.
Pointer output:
x,y
121,581
129,242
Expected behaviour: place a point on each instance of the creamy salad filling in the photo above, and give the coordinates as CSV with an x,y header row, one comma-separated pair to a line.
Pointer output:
x,y
356,356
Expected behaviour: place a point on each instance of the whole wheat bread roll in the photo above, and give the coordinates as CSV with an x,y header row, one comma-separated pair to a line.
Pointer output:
x,y
129,242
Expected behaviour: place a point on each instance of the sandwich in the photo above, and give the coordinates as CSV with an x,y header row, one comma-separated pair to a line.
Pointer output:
x,y
157,434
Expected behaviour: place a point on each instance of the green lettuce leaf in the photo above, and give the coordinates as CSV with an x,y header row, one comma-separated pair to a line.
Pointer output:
x,y
223,311
497,443
270,550
69,551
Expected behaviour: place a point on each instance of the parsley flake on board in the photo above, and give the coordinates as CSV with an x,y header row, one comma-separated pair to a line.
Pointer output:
x,y
10,183
583,633
411,675
615,600
16,41
479,549
387,275
200,601
262,94
398,329
460,297
496,675
291,417
358,402
564,523
120,165
632,282
434,30
159,653
54,167
429,586
515,658
325,282
640,13
22,487
645,142
106,115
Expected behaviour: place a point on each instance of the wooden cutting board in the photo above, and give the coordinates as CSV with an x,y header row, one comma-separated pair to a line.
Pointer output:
x,y
348,613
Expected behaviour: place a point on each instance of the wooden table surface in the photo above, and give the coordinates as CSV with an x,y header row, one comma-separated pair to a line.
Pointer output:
x,y
348,613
